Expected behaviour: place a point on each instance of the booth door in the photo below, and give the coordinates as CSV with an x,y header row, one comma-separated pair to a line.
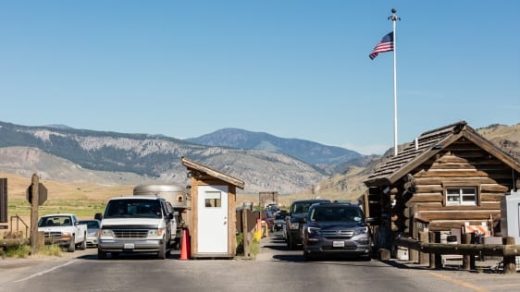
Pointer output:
x,y
212,226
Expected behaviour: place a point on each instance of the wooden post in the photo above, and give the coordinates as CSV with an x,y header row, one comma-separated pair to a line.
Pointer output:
x,y
245,232
472,259
424,258
34,212
413,254
384,254
431,239
438,256
466,259
509,261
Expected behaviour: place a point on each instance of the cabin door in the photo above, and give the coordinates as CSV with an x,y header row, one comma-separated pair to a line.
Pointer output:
x,y
212,226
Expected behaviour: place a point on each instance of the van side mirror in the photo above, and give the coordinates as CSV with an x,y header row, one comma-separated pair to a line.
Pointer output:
x,y
170,216
98,216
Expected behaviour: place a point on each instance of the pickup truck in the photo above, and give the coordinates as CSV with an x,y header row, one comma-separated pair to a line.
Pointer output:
x,y
64,230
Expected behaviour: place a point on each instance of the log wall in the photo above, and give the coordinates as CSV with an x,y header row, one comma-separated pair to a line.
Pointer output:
x,y
462,164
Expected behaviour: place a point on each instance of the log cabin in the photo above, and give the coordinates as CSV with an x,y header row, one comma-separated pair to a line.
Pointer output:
x,y
445,178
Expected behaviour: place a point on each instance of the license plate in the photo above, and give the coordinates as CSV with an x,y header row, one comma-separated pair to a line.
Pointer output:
x,y
129,246
338,244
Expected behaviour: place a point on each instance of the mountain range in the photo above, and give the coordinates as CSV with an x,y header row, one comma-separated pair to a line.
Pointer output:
x,y
263,161
327,158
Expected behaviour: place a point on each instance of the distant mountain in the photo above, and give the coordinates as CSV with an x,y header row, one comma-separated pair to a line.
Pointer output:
x,y
25,161
150,157
506,137
327,158
59,126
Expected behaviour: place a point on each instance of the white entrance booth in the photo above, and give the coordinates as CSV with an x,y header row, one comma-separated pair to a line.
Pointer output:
x,y
212,215
212,222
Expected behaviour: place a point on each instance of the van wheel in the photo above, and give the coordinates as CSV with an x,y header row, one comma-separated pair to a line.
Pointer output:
x,y
101,254
162,251
72,245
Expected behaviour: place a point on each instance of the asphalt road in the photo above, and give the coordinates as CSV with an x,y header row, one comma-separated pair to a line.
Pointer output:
x,y
275,269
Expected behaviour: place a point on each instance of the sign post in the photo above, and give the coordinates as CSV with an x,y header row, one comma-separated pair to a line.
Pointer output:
x,y
34,200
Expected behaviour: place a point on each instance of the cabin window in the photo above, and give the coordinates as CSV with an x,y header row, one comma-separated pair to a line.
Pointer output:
x,y
461,196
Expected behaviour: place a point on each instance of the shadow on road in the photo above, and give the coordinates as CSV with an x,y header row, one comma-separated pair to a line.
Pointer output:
x,y
129,256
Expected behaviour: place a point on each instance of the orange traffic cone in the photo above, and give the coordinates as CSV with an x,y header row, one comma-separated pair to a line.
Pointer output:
x,y
184,245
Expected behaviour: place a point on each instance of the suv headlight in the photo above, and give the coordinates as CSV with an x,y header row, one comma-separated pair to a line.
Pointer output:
x,y
362,230
313,230
294,225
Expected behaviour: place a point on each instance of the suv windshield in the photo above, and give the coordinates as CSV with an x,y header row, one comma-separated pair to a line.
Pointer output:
x,y
133,208
339,213
302,207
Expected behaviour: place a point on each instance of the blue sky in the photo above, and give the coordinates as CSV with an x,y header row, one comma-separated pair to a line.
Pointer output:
x,y
295,69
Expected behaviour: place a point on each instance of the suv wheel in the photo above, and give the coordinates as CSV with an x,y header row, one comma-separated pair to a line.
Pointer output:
x,y
308,256
291,243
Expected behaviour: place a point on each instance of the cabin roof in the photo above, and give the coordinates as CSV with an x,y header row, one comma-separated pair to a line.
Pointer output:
x,y
192,165
429,144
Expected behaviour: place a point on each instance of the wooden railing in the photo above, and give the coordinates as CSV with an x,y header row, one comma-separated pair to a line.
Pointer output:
x,y
18,220
508,250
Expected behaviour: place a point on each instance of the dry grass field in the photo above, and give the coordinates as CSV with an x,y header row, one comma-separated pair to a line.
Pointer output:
x,y
84,200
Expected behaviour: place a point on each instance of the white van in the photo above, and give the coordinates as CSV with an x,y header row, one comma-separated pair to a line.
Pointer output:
x,y
137,224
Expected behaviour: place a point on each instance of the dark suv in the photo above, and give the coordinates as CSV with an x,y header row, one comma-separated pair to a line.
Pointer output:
x,y
336,228
294,222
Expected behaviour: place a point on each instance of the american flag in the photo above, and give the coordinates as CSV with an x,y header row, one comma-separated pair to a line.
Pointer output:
x,y
385,45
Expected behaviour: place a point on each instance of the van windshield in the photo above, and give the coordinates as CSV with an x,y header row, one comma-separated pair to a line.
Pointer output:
x,y
133,209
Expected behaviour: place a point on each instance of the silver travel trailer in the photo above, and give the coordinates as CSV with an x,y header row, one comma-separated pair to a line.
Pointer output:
x,y
174,194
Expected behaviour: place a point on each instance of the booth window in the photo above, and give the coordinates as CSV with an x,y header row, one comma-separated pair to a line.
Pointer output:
x,y
461,196
212,200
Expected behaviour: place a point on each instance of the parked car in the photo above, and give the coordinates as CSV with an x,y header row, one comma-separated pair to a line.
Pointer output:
x,y
295,220
64,230
279,220
92,231
336,228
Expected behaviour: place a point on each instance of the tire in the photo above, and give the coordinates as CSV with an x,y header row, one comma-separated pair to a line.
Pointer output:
x,y
162,251
307,256
365,258
83,245
289,242
101,254
72,245
292,244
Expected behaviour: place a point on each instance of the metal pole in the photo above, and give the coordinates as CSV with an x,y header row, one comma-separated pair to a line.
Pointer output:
x,y
394,19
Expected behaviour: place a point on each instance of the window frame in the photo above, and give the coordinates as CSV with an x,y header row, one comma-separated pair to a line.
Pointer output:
x,y
461,194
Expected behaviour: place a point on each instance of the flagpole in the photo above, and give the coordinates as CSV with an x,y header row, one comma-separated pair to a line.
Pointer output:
x,y
394,19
